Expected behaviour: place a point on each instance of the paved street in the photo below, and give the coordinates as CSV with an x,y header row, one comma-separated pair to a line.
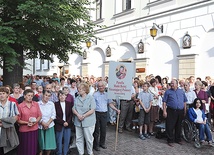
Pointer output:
x,y
130,144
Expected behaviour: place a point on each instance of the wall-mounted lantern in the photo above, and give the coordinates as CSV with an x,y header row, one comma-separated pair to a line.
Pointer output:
x,y
88,43
153,30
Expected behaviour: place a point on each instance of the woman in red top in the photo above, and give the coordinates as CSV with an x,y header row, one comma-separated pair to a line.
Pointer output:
x,y
29,117
202,95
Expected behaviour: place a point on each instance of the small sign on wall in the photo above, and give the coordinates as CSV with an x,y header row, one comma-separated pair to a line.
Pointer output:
x,y
140,70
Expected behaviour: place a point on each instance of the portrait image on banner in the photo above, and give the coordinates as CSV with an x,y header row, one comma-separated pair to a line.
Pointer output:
x,y
121,71
120,80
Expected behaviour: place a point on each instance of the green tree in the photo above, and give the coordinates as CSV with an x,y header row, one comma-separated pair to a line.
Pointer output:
x,y
40,28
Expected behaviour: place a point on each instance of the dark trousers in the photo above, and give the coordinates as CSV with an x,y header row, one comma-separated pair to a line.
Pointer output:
x,y
100,129
173,125
12,152
126,111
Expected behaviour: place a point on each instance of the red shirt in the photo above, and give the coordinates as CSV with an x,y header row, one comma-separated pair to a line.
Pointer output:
x,y
26,113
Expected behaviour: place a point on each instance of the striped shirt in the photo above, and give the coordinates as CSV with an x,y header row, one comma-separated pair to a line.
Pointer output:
x,y
102,101
8,110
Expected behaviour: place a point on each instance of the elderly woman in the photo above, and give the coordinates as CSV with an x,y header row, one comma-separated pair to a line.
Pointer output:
x,y
29,117
63,123
47,141
16,93
85,119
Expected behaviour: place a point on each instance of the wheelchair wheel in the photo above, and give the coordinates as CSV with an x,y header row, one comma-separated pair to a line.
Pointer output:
x,y
186,130
197,144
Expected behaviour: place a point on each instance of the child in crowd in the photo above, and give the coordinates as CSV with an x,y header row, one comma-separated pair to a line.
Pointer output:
x,y
144,116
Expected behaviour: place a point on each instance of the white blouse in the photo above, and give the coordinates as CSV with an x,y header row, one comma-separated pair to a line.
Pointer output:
x,y
48,111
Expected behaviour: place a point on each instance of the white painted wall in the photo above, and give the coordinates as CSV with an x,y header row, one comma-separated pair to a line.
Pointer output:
x,y
96,59
206,56
122,33
163,57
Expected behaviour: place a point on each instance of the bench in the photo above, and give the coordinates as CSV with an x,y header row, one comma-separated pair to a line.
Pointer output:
x,y
161,130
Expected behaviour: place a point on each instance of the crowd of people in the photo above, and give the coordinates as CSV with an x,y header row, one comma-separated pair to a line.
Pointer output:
x,y
41,115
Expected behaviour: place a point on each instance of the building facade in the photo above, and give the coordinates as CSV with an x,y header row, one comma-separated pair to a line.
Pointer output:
x,y
182,47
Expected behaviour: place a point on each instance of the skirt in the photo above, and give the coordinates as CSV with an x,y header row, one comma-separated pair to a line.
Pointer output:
x,y
154,113
47,140
28,143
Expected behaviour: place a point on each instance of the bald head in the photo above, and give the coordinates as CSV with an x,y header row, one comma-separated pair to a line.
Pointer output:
x,y
174,84
48,87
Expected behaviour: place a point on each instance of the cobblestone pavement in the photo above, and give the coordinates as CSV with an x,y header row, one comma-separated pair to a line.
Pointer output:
x,y
130,144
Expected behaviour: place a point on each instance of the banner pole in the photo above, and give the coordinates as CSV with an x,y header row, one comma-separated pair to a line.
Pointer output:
x,y
118,116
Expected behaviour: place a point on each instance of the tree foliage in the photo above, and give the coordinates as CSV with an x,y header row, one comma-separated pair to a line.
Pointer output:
x,y
40,28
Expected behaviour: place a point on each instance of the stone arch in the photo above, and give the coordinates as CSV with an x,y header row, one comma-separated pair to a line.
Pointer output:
x,y
125,51
163,59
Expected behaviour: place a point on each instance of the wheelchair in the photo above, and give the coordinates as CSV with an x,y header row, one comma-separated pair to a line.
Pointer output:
x,y
190,132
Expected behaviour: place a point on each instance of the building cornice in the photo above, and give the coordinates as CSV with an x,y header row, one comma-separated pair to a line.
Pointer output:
x,y
106,62
141,59
156,15
126,12
187,56
84,64
157,2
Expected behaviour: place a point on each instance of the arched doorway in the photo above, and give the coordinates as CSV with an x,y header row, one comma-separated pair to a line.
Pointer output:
x,y
96,59
126,51
163,57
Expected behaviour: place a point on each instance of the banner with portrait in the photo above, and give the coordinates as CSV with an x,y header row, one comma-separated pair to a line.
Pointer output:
x,y
120,80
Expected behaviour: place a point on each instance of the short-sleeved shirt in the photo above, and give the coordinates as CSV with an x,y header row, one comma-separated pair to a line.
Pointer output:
x,y
82,106
190,96
73,91
102,101
38,82
175,99
53,97
146,98
8,110
26,113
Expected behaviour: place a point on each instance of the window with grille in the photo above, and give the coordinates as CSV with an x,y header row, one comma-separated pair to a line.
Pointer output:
x,y
126,5
98,9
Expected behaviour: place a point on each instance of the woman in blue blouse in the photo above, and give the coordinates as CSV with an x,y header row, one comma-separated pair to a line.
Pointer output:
x,y
197,115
